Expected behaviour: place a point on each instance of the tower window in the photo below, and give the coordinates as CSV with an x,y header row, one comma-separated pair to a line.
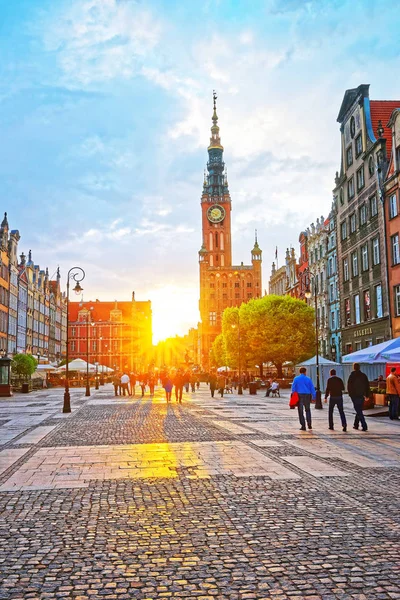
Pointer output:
x,y
249,284
216,240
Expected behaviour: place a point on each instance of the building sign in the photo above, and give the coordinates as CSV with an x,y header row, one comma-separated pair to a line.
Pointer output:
x,y
361,332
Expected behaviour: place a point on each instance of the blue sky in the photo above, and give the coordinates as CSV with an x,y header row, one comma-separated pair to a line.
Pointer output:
x,y
105,109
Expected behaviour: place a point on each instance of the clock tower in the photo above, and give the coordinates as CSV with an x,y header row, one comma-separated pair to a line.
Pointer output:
x,y
221,284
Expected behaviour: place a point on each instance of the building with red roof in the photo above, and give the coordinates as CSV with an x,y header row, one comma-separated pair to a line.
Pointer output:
x,y
392,219
366,142
114,334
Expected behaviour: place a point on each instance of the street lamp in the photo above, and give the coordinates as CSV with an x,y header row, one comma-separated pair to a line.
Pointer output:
x,y
77,274
308,295
240,388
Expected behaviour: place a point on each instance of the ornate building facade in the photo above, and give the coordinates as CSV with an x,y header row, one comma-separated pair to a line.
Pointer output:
x,y
221,284
392,222
366,146
317,236
333,289
114,334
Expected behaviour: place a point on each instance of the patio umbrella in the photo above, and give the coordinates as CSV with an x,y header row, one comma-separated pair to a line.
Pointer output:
x,y
45,368
80,365
223,369
375,354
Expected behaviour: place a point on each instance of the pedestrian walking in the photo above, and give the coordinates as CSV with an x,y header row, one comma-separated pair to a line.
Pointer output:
x,y
143,385
221,385
167,385
179,379
116,383
152,384
358,389
393,391
335,389
132,380
125,384
303,385
213,383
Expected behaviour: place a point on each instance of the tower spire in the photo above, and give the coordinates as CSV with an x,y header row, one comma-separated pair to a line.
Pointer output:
x,y
215,140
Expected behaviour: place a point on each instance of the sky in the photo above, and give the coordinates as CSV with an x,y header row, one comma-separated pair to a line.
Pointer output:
x,y
105,115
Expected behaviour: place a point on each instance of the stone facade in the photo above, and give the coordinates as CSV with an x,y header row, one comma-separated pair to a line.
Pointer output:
x,y
392,221
335,343
360,220
221,284
317,236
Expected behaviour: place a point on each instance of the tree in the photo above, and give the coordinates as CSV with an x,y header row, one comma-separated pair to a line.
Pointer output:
x,y
277,329
23,365
218,352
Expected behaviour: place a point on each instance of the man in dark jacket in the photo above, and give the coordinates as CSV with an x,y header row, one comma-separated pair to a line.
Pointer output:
x,y
358,389
335,389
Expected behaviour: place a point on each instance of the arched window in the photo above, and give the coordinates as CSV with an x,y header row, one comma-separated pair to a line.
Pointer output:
x,y
211,240
222,260
216,258
221,238
211,260
216,240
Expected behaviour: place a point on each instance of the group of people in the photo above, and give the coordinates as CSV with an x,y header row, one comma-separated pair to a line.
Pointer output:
x,y
125,384
179,380
358,389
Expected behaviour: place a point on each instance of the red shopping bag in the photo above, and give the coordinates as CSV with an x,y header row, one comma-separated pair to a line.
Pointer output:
x,y
294,400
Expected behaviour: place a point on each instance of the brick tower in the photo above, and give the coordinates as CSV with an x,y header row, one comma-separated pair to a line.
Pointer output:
x,y
221,283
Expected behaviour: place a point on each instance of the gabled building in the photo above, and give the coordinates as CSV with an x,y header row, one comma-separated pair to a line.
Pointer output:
x,y
392,221
13,294
317,236
366,144
335,344
22,323
4,284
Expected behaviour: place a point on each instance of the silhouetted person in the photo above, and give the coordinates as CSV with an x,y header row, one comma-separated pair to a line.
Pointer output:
x,y
358,389
335,389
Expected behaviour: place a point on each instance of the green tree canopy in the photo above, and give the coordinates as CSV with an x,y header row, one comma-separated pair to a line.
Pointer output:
x,y
274,329
23,365
218,352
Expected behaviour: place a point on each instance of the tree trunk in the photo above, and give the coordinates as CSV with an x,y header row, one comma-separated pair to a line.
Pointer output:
x,y
279,369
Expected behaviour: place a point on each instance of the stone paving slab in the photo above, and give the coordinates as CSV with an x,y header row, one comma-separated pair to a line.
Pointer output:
x,y
134,499
37,434
9,457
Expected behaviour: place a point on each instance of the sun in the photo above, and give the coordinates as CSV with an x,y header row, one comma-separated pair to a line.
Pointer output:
x,y
174,310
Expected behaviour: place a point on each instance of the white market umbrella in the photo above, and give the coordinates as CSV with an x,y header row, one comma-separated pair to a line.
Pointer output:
x,y
104,369
223,369
45,368
379,353
80,365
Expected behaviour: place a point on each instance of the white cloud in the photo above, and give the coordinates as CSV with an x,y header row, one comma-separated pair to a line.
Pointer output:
x,y
100,40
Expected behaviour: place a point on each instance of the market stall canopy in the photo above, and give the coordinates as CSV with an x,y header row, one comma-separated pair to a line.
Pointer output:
x,y
223,369
78,364
104,369
45,368
380,353
321,361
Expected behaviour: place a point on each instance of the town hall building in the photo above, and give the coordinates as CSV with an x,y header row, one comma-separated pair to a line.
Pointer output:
x,y
222,284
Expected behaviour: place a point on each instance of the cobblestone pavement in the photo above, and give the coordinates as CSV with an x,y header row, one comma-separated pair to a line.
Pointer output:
x,y
214,498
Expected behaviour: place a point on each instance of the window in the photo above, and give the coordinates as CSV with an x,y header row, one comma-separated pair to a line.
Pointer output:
x,y
350,188
352,127
364,258
367,305
346,269
347,311
249,284
371,166
73,331
395,249
249,295
212,296
378,301
357,346
396,290
333,320
360,178
212,285
73,346
331,292
373,206
343,230
363,214
376,259
224,296
341,196
357,309
358,145
237,284
393,212
224,285
354,264
349,156
237,295
349,348
353,223
213,318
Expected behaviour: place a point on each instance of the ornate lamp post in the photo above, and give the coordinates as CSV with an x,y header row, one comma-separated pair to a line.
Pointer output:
x,y
308,295
77,274
240,388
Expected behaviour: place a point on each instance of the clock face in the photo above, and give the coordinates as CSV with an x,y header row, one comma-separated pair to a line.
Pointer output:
x,y
216,214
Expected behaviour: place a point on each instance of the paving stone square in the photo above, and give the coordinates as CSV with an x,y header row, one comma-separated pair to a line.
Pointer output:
x,y
135,499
